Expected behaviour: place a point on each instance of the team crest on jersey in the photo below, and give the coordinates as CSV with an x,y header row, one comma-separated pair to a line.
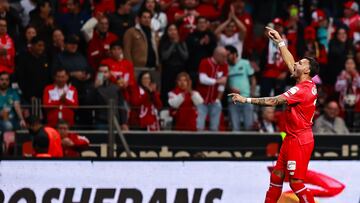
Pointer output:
x,y
291,165
314,91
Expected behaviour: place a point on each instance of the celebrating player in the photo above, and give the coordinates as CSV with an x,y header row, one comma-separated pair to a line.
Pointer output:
x,y
298,144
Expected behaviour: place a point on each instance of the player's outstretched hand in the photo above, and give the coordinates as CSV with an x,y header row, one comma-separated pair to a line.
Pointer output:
x,y
237,98
273,35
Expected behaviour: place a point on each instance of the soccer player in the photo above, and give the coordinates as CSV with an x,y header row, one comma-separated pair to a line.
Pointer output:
x,y
298,144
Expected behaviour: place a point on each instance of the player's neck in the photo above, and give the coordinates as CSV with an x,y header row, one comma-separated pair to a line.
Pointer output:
x,y
303,78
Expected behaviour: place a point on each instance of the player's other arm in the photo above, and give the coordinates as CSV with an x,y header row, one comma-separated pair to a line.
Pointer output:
x,y
285,53
262,101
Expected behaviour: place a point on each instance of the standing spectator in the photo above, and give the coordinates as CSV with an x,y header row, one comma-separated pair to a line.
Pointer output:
x,y
267,122
231,32
186,17
10,110
140,42
46,140
173,54
72,143
241,79
313,48
72,21
104,91
183,101
33,71
145,104
11,16
61,99
122,19
159,19
339,49
323,27
213,72
330,122
201,44
99,45
25,41
352,19
7,47
275,72
42,19
348,85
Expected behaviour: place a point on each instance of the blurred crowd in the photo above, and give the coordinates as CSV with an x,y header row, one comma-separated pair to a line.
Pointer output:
x,y
169,64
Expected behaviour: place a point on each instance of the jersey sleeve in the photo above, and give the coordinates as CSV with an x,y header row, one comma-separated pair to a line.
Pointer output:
x,y
294,95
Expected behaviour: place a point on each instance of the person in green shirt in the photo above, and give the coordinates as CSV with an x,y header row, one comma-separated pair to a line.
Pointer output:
x,y
242,81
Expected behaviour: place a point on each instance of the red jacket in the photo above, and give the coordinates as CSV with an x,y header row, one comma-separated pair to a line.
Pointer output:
x,y
185,115
121,69
99,47
208,66
52,96
7,43
104,6
79,144
55,148
144,108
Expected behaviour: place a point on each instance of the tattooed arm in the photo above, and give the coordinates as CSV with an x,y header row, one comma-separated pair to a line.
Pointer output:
x,y
263,101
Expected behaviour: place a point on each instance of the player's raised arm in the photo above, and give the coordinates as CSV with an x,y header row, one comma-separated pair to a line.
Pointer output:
x,y
285,53
262,101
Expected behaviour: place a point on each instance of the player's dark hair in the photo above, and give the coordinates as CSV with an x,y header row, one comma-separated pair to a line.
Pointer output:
x,y
314,66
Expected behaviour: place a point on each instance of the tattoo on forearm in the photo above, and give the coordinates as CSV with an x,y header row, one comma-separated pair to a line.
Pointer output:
x,y
268,101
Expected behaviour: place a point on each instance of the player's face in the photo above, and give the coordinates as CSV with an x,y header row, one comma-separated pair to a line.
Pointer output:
x,y
300,68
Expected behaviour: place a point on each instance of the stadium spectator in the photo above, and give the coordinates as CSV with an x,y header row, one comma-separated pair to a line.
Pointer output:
x,y
340,48
348,85
122,19
213,72
27,6
145,103
72,21
121,69
140,42
11,117
185,16
11,16
25,41
313,48
72,143
267,122
352,19
330,122
60,99
7,47
275,73
201,44
104,6
323,26
104,91
33,71
173,55
241,79
99,46
183,101
46,140
58,43
232,32
210,9
42,19
159,19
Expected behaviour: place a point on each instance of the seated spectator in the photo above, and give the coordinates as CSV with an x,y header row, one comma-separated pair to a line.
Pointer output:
x,y
46,140
231,32
10,110
61,99
122,19
183,101
99,45
330,122
241,80
72,21
213,72
58,43
7,47
42,19
159,19
33,71
145,103
104,91
201,44
25,41
72,143
348,85
173,54
140,42
267,122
